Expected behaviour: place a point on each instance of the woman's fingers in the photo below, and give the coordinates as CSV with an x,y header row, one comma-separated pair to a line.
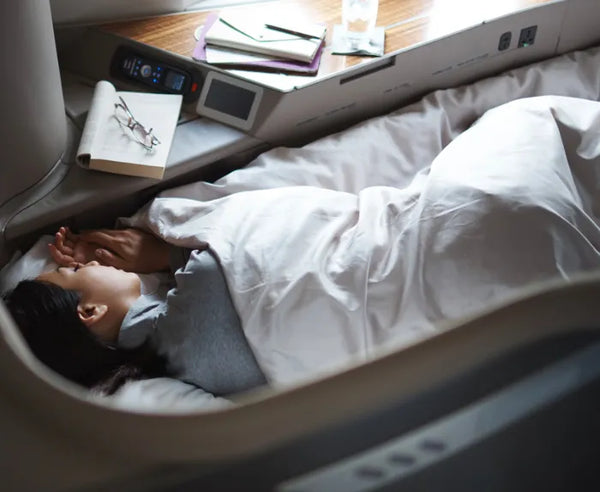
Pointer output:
x,y
59,257
107,238
70,239
108,258
61,245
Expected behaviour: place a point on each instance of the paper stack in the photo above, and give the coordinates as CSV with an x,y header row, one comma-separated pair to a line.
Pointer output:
x,y
235,42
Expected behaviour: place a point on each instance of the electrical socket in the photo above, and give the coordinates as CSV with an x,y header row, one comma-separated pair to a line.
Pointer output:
x,y
527,36
504,41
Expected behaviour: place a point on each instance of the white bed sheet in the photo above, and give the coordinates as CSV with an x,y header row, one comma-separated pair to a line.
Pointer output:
x,y
349,188
323,277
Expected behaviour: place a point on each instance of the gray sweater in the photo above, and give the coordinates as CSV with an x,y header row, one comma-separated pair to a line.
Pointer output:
x,y
193,323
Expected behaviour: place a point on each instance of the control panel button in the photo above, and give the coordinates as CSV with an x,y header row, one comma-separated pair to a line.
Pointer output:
x,y
146,70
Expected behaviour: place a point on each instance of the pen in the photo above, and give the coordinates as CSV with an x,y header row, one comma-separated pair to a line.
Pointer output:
x,y
290,30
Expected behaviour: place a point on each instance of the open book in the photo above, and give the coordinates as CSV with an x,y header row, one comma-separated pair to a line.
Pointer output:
x,y
107,145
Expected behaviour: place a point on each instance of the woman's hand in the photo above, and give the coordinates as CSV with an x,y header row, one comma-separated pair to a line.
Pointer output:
x,y
132,250
69,248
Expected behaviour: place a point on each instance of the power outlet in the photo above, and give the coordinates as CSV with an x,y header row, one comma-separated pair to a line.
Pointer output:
x,y
504,41
527,36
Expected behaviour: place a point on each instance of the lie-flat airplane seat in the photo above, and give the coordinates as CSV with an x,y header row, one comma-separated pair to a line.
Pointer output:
x,y
505,401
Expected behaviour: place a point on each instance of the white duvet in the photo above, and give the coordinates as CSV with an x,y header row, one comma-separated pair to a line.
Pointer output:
x,y
363,256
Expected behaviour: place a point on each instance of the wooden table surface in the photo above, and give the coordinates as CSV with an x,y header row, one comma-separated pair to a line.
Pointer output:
x,y
406,22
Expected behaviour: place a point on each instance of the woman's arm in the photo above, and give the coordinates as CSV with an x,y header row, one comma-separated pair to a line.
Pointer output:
x,y
132,250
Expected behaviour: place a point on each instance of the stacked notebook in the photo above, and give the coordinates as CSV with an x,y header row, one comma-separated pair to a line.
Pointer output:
x,y
236,42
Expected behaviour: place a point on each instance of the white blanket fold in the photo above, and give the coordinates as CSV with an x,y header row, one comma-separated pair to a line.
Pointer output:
x,y
321,273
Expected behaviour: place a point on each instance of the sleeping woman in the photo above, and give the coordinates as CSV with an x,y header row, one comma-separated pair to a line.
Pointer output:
x,y
93,323
285,282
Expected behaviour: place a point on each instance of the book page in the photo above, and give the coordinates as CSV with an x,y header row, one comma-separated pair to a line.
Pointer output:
x,y
101,105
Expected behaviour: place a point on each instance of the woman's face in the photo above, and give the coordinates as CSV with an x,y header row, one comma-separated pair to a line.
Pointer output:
x,y
94,279
99,285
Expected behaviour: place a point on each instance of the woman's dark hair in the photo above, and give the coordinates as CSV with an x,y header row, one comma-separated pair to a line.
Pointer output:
x,y
47,317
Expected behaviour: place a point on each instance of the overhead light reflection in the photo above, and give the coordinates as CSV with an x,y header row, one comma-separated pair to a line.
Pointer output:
x,y
448,16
